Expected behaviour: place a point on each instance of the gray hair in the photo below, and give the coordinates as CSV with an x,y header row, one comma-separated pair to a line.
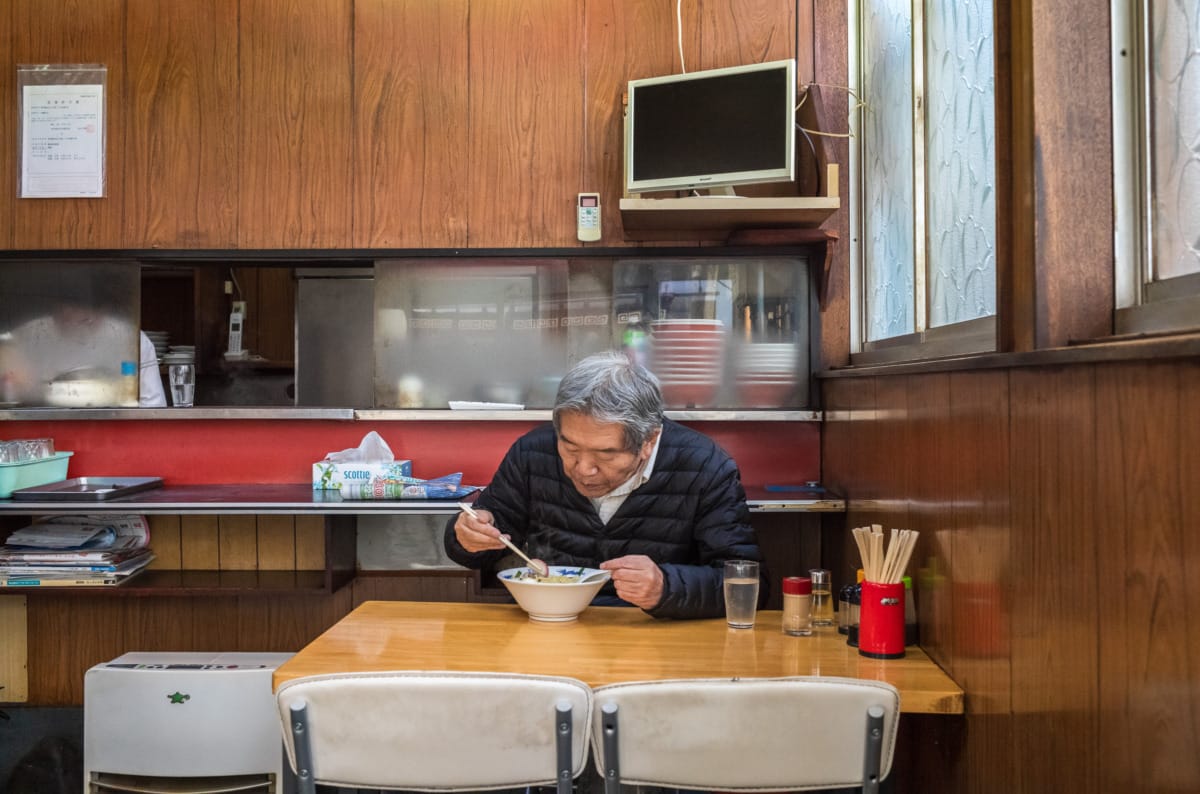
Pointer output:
x,y
610,388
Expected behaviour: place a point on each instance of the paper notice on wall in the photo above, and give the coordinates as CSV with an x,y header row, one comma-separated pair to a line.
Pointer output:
x,y
62,141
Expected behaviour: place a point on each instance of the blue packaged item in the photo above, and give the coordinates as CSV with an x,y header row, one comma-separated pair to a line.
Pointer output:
x,y
399,487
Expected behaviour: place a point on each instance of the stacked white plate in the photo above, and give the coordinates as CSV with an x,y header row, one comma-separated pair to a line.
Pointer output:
x,y
180,354
766,374
688,358
159,340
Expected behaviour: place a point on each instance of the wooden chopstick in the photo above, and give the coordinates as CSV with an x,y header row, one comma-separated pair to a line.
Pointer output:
x,y
881,567
543,571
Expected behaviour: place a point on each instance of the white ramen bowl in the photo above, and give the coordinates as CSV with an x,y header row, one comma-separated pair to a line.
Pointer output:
x,y
552,601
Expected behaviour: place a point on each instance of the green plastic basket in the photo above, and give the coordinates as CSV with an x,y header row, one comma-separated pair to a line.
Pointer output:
x,y
28,473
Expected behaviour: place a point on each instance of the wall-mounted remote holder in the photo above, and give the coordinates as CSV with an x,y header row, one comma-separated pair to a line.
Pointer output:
x,y
587,217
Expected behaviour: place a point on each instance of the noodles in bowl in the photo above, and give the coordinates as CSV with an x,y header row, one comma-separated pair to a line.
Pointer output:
x,y
558,596
530,575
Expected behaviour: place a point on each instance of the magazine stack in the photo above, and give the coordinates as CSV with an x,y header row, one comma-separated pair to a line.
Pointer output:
x,y
76,551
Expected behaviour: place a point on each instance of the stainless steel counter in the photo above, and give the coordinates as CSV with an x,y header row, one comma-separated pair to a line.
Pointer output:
x,y
170,414
298,499
368,415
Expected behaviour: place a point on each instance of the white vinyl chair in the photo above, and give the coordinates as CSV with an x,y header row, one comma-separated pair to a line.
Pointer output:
x,y
747,734
435,731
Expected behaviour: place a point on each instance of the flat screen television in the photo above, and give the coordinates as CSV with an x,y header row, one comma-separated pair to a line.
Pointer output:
x,y
720,127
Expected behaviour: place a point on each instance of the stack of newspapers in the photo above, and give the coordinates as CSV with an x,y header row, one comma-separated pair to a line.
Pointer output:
x,y
76,551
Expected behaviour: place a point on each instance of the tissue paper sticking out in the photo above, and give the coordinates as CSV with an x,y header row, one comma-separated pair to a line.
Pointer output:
x,y
370,459
372,449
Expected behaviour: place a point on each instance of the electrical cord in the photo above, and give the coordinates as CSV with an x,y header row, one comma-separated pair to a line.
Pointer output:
x,y
679,33
858,104
236,285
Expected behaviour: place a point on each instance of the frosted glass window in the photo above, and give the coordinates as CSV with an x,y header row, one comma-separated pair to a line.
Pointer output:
x,y
69,334
720,332
961,160
492,331
1175,136
888,169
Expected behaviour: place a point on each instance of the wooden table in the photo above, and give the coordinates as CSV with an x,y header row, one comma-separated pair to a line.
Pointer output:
x,y
605,645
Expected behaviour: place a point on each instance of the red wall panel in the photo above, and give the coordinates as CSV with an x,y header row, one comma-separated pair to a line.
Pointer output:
x,y
185,452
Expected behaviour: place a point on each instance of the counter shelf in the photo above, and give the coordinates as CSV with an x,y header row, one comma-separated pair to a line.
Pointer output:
x,y
301,499
339,530
160,582
290,499
375,414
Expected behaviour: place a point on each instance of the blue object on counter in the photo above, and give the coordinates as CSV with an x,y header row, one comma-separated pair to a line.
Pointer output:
x,y
448,487
809,487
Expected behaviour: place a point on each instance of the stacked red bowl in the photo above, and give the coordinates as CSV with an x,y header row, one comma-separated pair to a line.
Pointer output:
x,y
687,356
766,374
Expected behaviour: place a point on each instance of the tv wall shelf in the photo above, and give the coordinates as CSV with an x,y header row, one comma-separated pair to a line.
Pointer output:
x,y
715,217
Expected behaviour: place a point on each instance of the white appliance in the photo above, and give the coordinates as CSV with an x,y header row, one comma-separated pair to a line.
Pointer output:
x,y
182,722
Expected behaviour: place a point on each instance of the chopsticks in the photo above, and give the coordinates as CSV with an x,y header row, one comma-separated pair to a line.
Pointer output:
x,y
543,570
879,567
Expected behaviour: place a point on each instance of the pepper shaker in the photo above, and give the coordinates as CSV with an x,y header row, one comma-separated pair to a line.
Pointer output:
x,y
797,606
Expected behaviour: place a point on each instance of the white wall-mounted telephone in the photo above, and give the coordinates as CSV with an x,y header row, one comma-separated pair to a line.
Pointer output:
x,y
236,319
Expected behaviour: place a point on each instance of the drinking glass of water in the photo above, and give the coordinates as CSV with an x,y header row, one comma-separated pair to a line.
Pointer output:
x,y
182,379
741,593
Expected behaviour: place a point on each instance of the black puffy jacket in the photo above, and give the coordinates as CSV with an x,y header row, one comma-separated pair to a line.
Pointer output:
x,y
689,517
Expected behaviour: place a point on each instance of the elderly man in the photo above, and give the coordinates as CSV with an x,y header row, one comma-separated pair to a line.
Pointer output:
x,y
613,484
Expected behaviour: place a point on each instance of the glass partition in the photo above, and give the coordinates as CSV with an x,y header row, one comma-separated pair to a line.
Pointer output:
x,y
69,334
721,333
496,333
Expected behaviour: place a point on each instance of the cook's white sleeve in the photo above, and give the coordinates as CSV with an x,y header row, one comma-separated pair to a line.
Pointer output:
x,y
150,387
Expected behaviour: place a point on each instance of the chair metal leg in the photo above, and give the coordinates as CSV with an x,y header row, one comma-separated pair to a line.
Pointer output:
x,y
299,725
562,720
612,765
873,757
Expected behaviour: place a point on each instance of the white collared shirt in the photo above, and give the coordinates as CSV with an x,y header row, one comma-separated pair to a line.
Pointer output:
x,y
608,504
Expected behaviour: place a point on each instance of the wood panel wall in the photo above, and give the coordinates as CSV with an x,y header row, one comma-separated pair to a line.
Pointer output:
x,y
261,124
1057,568
294,115
14,670
72,31
8,132
238,543
618,50
180,154
744,31
412,123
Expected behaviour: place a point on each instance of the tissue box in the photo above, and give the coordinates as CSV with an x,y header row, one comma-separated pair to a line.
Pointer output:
x,y
327,475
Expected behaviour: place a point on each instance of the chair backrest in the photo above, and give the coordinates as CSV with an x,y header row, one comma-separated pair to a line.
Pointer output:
x,y
748,734
441,731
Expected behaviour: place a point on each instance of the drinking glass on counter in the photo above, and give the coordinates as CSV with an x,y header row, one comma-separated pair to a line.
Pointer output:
x,y
741,593
23,449
182,379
